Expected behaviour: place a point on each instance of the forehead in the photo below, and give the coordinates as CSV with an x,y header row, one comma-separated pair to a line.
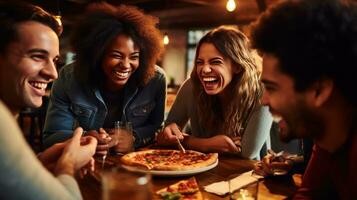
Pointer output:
x,y
272,73
34,35
123,41
208,50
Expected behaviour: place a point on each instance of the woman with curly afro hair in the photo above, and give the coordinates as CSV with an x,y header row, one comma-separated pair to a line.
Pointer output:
x,y
113,78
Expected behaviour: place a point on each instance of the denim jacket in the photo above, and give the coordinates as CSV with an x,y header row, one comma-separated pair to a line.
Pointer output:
x,y
73,104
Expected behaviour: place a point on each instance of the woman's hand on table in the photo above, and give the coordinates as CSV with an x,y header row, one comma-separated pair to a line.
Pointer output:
x,y
169,135
104,141
218,143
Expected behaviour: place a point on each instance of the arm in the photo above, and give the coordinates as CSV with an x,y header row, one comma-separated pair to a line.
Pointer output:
x,y
256,133
177,117
59,118
146,134
22,176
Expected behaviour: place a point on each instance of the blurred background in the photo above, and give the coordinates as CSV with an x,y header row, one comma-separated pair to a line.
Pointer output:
x,y
183,22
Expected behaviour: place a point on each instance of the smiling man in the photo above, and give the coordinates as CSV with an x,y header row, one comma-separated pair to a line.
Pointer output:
x,y
309,52
29,50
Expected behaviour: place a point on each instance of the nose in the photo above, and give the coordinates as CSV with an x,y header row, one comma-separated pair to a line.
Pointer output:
x,y
50,70
206,68
125,63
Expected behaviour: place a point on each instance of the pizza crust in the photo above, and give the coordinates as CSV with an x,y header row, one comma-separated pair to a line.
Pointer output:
x,y
169,160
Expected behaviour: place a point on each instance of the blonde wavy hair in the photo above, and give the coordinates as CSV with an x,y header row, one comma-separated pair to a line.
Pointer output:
x,y
232,118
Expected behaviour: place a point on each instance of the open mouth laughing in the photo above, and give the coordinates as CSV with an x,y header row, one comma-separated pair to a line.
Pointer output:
x,y
122,74
210,82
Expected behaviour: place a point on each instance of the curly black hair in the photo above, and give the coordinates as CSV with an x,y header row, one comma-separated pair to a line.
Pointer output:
x,y
97,28
312,39
15,12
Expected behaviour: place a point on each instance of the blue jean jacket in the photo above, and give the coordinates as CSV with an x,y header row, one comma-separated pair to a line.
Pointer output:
x,y
73,104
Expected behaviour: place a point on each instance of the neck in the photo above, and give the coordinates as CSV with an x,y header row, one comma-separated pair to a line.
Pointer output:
x,y
338,125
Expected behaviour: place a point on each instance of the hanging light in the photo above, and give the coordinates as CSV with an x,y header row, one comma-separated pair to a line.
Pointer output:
x,y
166,39
231,5
58,16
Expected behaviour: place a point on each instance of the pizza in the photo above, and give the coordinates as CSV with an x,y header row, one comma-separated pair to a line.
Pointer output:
x,y
182,190
169,160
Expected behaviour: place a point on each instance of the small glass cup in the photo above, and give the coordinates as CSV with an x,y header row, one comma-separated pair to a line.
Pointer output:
x,y
124,133
120,184
249,192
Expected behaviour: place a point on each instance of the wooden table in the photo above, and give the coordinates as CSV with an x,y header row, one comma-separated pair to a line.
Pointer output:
x,y
271,188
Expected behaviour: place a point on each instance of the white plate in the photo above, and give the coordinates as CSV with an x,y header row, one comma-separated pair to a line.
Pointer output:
x,y
172,173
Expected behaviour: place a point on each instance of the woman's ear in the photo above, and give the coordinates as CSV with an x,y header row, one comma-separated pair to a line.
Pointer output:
x,y
237,69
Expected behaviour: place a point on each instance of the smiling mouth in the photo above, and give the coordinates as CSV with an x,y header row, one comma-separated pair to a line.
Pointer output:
x,y
38,85
210,81
122,75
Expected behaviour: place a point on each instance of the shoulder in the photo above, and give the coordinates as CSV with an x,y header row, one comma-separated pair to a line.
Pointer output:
x,y
66,72
159,72
187,86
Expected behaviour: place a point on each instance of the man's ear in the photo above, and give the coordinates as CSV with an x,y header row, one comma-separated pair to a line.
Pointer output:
x,y
321,91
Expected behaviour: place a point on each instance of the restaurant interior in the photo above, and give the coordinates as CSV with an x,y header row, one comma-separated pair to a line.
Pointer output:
x,y
183,23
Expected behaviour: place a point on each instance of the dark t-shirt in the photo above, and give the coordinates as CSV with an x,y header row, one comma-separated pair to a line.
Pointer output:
x,y
331,175
114,103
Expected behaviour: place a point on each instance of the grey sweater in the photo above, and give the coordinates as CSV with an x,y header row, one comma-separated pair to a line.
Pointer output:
x,y
257,132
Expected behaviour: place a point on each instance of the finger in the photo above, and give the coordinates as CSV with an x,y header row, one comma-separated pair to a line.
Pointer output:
x,y
77,134
104,147
231,146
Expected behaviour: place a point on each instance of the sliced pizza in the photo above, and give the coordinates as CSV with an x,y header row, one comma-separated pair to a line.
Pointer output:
x,y
182,190
169,160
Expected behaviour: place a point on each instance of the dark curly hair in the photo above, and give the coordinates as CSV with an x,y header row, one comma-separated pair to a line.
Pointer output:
x,y
313,39
97,28
15,12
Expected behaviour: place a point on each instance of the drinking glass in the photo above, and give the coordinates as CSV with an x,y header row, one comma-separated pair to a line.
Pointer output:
x,y
124,133
120,184
249,192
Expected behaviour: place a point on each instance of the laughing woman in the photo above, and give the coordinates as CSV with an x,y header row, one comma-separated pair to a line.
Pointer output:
x,y
113,78
221,99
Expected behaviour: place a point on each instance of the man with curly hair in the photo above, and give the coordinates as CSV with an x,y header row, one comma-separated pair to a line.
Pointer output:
x,y
309,51
113,78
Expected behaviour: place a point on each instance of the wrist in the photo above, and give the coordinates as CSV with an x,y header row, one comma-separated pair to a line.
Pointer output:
x,y
64,166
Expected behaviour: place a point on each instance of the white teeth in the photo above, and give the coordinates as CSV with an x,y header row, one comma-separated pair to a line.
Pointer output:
x,y
209,79
122,74
39,85
277,118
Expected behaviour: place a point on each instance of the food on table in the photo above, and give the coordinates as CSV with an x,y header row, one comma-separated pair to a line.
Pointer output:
x,y
169,160
182,190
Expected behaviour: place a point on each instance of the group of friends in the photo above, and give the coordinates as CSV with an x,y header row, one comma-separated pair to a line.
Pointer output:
x,y
297,66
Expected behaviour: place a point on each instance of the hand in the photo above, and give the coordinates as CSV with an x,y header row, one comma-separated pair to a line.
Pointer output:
x,y
167,137
221,143
103,139
270,164
90,166
77,153
51,155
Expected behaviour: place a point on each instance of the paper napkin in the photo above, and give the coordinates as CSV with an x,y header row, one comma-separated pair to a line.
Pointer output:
x,y
222,187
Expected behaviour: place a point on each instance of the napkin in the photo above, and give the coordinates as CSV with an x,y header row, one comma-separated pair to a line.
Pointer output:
x,y
222,187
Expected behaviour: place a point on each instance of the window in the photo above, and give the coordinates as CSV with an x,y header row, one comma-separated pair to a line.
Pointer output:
x,y
193,38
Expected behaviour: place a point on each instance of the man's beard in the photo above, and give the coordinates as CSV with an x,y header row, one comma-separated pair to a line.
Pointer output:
x,y
302,122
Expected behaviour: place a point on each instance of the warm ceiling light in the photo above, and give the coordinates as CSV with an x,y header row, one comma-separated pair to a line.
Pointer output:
x,y
231,5
166,39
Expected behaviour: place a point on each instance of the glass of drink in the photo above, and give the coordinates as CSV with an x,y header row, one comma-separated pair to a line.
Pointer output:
x,y
123,184
123,131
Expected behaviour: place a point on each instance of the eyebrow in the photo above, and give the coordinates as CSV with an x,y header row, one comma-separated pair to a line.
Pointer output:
x,y
268,82
38,51
116,51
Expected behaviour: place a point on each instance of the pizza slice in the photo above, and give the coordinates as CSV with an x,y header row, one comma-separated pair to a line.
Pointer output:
x,y
182,190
